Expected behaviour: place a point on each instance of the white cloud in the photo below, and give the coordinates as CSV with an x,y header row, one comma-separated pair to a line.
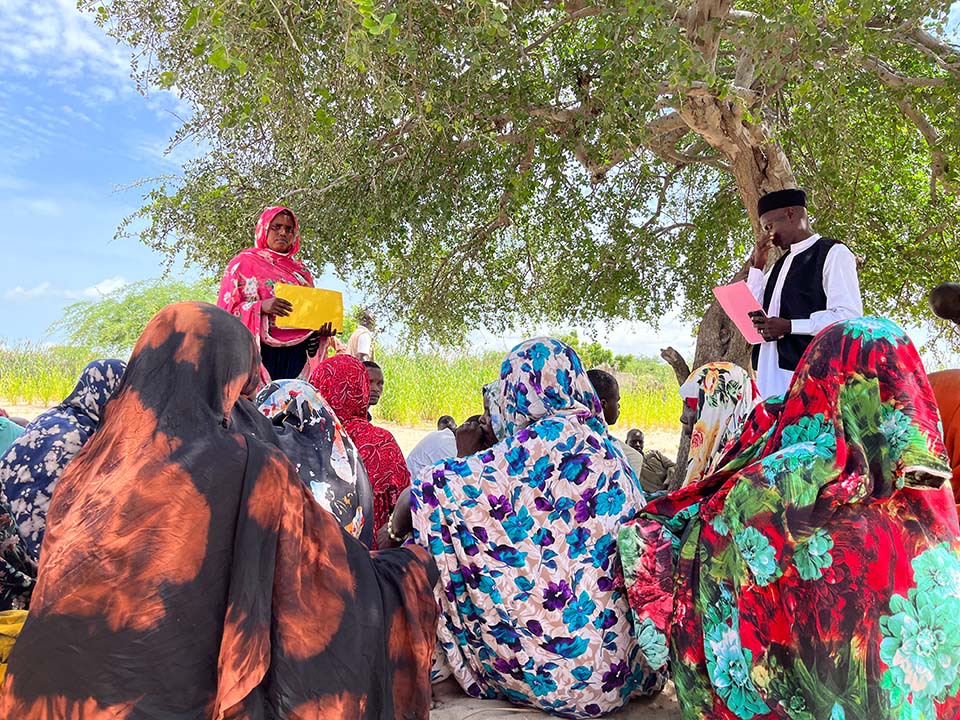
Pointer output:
x,y
47,290
54,39
105,287
22,293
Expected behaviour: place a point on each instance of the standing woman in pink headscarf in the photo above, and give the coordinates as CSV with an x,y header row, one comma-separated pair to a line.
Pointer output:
x,y
247,292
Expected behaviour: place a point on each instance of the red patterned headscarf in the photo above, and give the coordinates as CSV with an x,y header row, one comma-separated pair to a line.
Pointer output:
x,y
343,382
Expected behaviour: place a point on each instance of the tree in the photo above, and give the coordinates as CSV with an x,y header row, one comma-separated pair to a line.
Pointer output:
x,y
488,162
113,323
591,353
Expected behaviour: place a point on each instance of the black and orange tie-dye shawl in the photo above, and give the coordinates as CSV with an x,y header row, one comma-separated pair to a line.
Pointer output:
x,y
187,573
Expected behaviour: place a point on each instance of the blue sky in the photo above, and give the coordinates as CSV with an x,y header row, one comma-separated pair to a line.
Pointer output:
x,y
75,130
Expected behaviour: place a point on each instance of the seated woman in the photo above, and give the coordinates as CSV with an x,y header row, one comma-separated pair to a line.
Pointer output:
x,y
343,382
247,292
816,574
324,456
31,467
188,573
524,535
718,397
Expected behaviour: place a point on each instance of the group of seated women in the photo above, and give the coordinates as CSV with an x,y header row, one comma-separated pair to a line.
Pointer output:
x,y
203,558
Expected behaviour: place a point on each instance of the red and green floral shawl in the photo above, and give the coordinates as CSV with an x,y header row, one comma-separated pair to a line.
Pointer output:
x,y
816,574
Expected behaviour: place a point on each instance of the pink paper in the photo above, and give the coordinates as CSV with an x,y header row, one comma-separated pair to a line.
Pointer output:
x,y
737,301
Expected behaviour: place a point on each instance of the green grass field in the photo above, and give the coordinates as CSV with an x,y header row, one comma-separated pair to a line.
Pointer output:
x,y
419,388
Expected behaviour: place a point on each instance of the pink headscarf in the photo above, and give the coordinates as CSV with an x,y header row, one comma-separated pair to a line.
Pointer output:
x,y
250,277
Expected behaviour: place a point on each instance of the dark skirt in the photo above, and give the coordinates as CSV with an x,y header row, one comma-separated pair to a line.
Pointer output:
x,y
284,363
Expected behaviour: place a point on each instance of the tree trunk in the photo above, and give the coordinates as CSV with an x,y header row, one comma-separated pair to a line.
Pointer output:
x,y
759,166
675,360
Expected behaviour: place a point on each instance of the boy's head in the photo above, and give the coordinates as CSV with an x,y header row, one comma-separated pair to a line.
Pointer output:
x,y
608,390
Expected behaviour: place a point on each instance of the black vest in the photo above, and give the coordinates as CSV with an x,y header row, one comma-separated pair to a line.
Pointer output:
x,y
801,296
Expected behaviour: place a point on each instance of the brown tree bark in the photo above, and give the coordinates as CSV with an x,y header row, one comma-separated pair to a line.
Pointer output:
x,y
676,361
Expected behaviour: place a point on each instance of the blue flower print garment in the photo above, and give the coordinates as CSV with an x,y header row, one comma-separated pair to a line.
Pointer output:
x,y
524,535
30,468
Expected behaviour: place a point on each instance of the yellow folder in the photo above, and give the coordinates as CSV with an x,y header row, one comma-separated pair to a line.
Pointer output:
x,y
312,307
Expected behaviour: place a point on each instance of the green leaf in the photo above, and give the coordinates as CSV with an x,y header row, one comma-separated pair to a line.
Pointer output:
x,y
192,18
167,79
388,19
241,66
219,58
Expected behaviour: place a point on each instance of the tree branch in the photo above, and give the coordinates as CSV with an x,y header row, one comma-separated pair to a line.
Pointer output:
x,y
945,55
661,197
938,46
938,158
503,218
675,226
675,360
572,17
562,116
892,78
704,19
286,27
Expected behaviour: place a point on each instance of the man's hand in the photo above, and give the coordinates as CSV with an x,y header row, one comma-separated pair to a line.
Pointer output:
x,y
276,306
771,328
761,250
326,330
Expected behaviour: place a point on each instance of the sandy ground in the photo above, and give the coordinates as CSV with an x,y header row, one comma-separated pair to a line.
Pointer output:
x,y
450,703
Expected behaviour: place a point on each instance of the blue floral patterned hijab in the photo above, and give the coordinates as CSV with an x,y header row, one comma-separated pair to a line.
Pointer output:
x,y
524,537
543,377
29,470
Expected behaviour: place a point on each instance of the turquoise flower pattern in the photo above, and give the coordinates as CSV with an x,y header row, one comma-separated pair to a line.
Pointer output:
x,y
653,644
728,664
921,637
807,429
759,555
812,556
720,525
937,571
809,440
869,328
524,537
897,429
